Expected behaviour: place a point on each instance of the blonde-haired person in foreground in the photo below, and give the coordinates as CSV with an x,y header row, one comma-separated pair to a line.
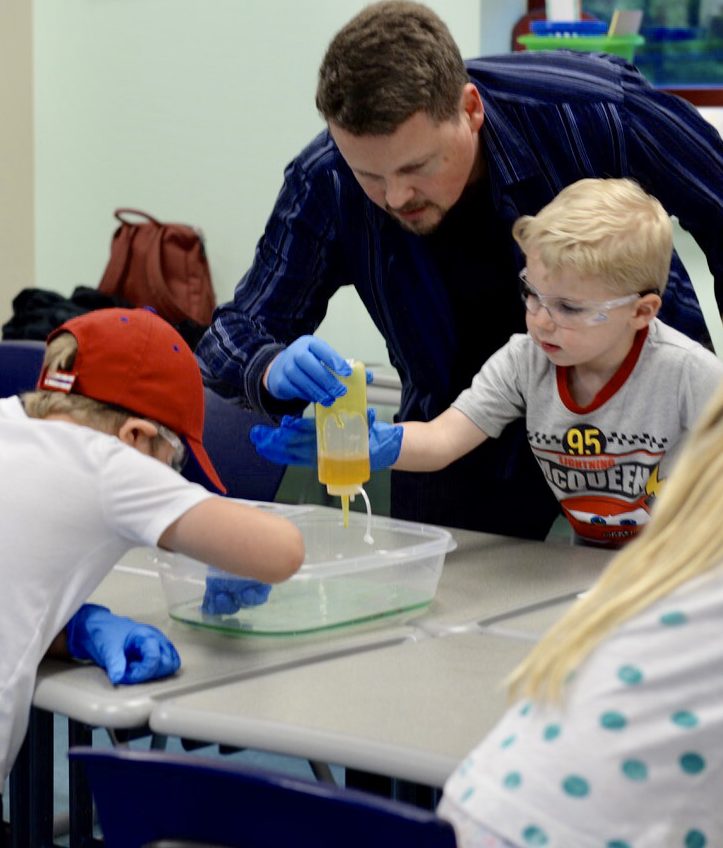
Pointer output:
x,y
86,473
607,390
617,739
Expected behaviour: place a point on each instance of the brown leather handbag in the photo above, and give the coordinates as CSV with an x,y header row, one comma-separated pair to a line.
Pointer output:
x,y
160,265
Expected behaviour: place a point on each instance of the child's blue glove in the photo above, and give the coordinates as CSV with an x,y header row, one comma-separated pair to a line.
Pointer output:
x,y
130,652
305,370
385,442
226,594
293,442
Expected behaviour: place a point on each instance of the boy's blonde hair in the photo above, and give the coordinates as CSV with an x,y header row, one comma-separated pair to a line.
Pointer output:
x,y
683,540
60,356
608,228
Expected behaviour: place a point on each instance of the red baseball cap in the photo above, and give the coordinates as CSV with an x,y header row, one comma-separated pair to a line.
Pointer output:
x,y
134,359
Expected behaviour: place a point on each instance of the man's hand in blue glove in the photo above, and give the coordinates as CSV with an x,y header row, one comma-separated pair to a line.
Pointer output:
x,y
130,652
226,594
293,442
305,370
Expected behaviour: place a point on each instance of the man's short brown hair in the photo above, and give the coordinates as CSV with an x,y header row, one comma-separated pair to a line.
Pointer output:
x,y
390,61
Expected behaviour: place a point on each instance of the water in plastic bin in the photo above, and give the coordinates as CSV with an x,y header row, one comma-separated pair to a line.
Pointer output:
x,y
344,580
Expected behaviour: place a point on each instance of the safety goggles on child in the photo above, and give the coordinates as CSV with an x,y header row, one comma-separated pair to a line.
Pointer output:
x,y
178,460
572,314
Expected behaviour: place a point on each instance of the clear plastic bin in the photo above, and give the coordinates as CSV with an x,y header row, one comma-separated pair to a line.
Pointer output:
x,y
343,581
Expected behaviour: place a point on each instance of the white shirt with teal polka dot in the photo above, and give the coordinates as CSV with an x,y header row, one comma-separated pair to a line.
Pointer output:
x,y
634,758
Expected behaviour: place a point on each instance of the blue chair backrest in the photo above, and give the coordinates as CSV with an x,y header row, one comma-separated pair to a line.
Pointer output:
x,y
20,363
150,797
226,439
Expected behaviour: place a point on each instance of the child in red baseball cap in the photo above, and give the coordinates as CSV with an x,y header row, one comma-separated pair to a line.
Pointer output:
x,y
86,474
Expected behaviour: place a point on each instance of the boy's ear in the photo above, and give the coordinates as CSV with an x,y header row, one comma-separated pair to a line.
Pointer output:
x,y
646,309
134,430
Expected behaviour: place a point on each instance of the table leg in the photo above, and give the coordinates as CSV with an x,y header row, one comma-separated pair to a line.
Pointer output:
x,y
377,784
31,785
42,778
4,830
417,794
20,798
322,772
81,801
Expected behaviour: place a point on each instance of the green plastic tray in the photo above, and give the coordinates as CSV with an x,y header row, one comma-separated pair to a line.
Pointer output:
x,y
619,45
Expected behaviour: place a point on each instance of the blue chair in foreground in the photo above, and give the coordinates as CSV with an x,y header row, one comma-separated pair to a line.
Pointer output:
x,y
20,363
151,798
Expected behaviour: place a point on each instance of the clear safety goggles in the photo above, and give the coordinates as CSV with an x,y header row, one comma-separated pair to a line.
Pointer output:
x,y
180,454
572,314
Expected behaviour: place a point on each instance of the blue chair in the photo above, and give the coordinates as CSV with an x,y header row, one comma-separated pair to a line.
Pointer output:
x,y
20,363
152,798
226,439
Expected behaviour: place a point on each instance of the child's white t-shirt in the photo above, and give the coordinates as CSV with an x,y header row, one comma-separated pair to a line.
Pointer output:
x,y
634,759
72,502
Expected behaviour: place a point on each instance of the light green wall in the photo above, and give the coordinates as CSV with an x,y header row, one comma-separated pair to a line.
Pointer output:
x,y
188,109
16,156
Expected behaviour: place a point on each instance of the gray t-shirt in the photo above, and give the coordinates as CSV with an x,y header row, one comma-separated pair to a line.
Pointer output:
x,y
605,461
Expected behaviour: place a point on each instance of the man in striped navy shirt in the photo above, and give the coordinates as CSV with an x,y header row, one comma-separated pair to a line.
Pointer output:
x,y
410,196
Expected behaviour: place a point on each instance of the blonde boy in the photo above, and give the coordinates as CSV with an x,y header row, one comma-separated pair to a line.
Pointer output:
x,y
85,475
608,391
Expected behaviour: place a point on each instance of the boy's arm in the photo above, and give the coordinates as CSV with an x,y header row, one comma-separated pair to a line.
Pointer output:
x,y
412,446
431,445
241,539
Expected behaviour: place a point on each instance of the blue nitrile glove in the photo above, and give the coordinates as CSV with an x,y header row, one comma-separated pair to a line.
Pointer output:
x,y
130,652
385,442
226,594
293,442
305,370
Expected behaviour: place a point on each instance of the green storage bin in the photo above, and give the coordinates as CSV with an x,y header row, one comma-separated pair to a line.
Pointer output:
x,y
620,45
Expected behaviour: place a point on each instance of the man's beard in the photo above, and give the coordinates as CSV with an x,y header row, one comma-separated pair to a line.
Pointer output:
x,y
422,227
